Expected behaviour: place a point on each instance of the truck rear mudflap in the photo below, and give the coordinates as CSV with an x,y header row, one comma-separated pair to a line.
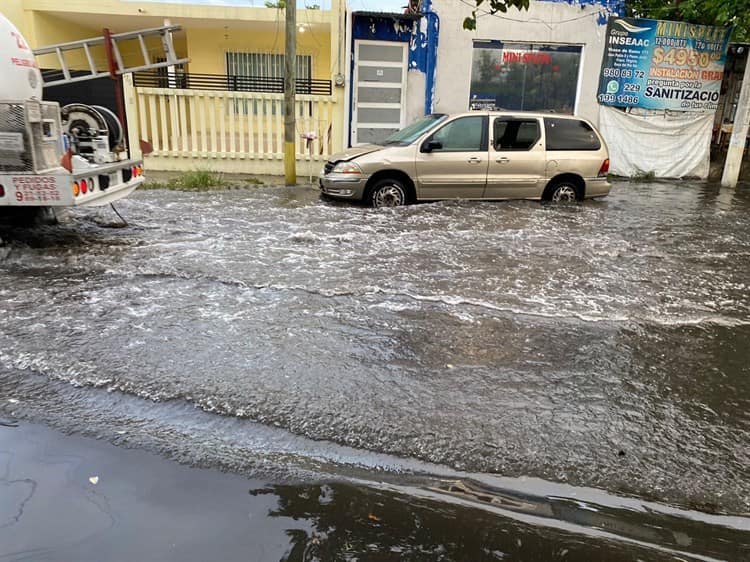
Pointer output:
x,y
95,186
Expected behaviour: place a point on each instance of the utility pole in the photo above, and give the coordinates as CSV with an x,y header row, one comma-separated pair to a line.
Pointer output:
x,y
737,141
290,86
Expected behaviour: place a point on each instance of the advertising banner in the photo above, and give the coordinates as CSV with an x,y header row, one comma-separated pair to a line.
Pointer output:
x,y
657,64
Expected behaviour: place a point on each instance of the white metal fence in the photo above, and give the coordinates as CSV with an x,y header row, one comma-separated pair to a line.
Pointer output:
x,y
217,129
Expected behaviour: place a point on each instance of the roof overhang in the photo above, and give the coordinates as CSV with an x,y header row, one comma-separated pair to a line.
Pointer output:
x,y
411,16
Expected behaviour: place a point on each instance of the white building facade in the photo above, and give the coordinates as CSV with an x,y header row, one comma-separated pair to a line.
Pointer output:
x,y
546,58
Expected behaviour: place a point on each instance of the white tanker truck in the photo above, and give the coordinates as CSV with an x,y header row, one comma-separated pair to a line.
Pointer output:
x,y
52,156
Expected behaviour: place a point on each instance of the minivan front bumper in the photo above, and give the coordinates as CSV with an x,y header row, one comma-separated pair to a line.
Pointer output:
x,y
343,185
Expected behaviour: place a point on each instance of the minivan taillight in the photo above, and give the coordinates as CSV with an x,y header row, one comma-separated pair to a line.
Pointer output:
x,y
605,168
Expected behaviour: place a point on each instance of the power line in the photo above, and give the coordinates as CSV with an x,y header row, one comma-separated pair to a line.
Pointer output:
x,y
549,25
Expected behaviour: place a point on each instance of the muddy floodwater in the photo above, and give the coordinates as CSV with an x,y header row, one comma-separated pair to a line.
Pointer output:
x,y
579,369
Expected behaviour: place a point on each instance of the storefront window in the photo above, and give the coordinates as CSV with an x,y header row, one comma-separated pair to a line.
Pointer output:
x,y
522,76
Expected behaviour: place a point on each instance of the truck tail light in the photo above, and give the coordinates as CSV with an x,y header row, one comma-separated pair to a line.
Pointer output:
x,y
84,187
76,189
605,168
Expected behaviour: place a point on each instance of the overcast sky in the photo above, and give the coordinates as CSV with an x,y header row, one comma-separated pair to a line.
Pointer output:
x,y
371,5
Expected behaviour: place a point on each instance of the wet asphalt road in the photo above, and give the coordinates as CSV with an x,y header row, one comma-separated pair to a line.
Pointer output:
x,y
599,345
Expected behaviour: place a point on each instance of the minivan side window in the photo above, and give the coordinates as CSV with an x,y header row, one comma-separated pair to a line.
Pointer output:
x,y
570,134
515,134
465,134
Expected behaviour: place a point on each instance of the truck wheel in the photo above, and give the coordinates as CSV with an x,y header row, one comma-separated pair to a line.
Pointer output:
x,y
27,217
387,193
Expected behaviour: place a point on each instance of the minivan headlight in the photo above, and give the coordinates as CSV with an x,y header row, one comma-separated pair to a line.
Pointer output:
x,y
346,168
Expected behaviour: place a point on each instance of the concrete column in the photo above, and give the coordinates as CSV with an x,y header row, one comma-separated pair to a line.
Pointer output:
x,y
338,54
739,134
170,69
131,112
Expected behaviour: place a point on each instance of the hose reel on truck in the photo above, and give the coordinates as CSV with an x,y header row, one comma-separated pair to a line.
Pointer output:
x,y
94,132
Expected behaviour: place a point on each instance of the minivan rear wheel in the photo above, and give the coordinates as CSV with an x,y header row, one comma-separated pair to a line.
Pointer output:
x,y
387,193
563,191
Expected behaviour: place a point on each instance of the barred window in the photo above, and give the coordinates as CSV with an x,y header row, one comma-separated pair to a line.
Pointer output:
x,y
262,72
266,65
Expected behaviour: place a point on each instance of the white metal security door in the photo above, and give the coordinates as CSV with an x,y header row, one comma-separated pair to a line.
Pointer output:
x,y
379,90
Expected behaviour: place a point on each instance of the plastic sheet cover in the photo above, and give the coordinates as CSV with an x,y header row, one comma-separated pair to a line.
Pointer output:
x,y
669,144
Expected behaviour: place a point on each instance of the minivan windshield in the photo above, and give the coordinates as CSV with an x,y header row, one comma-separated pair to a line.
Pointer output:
x,y
409,134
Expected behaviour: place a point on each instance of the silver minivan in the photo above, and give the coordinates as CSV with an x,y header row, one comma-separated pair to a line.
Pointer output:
x,y
475,155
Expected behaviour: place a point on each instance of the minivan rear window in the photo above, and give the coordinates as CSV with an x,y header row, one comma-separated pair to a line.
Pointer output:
x,y
570,134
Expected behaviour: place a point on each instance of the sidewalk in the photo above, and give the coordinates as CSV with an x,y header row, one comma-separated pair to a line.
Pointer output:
x,y
243,180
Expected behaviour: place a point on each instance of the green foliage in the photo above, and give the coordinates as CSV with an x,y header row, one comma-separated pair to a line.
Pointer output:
x,y
493,7
707,12
280,4
643,176
198,180
202,180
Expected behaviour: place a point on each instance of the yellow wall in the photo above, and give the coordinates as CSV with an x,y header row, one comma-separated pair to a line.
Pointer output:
x,y
44,29
207,47
180,45
13,10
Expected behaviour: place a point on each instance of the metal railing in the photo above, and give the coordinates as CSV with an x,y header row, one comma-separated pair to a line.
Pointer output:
x,y
227,82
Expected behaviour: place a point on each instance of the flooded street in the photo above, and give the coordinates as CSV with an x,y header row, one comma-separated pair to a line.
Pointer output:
x,y
582,368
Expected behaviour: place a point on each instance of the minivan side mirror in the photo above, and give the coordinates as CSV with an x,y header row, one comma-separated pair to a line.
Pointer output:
x,y
431,145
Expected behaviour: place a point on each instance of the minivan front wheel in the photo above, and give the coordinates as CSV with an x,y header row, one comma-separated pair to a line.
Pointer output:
x,y
564,191
387,193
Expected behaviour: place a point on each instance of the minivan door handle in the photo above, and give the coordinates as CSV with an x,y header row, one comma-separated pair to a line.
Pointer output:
x,y
502,160
475,160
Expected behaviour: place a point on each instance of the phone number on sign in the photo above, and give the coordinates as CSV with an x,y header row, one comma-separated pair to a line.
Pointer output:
x,y
37,196
624,99
35,189
622,73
